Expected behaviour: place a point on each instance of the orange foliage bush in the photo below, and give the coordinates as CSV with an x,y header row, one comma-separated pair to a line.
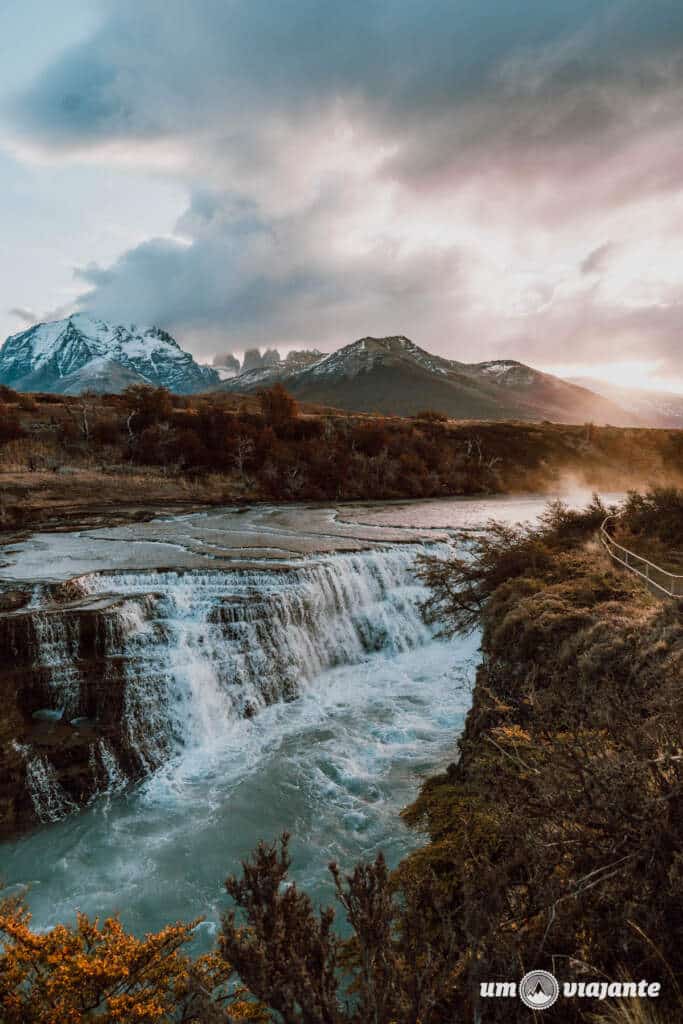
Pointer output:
x,y
100,972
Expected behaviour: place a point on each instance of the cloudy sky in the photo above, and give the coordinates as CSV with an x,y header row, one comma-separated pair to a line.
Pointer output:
x,y
493,178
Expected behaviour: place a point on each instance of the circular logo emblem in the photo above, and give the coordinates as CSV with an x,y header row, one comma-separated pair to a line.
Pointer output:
x,y
538,990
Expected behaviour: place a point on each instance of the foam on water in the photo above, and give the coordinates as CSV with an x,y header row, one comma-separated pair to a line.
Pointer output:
x,y
356,703
209,647
334,767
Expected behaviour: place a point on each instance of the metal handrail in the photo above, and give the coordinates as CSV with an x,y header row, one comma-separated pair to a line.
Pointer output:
x,y
669,583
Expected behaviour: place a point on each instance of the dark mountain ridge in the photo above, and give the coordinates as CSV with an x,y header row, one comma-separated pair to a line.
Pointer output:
x,y
396,377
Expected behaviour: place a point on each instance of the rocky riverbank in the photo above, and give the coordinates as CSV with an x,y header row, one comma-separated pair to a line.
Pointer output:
x,y
62,739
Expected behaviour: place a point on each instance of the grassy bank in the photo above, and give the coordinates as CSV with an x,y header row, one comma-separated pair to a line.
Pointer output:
x,y
561,826
555,841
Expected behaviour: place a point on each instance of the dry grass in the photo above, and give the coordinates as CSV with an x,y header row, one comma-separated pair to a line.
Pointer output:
x,y
560,827
629,1011
77,496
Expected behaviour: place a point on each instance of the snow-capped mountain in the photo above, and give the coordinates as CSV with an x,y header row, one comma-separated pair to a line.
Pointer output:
x,y
394,375
83,353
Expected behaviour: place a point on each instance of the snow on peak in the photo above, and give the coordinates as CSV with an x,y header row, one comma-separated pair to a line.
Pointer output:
x,y
362,355
45,354
507,371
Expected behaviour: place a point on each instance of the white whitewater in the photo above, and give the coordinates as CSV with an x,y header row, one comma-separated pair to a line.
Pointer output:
x,y
201,649
50,800
309,698
352,700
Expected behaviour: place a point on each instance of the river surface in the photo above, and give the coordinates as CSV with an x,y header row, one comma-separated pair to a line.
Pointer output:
x,y
379,705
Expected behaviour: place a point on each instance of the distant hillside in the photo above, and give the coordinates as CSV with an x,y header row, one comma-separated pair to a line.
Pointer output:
x,y
656,408
394,376
82,353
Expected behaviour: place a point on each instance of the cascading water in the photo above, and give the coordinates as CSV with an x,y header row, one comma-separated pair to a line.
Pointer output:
x,y
219,645
185,654
356,702
57,646
49,799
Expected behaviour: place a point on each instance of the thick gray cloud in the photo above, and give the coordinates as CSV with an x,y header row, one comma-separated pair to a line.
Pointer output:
x,y
165,66
246,282
449,168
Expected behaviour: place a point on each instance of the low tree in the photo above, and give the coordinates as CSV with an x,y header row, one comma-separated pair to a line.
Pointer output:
x,y
278,407
461,585
11,428
398,966
244,450
147,406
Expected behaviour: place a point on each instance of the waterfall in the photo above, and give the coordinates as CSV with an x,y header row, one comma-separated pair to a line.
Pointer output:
x,y
104,765
187,653
49,799
57,644
220,645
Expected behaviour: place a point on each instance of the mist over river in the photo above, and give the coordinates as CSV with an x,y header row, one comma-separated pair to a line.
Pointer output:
x,y
278,676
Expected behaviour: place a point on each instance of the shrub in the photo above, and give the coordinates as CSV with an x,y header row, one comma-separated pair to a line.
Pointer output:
x,y
278,407
10,425
431,416
461,585
102,973
396,968
147,406
657,515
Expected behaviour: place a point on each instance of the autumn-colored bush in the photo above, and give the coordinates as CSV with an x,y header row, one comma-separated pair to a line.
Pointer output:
x,y
278,407
147,406
100,972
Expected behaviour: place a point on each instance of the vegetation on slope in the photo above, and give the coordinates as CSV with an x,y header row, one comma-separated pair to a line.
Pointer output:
x,y
570,774
61,457
652,526
99,972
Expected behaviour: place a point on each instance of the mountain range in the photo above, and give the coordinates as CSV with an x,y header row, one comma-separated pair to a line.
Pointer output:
x,y
392,376
83,353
